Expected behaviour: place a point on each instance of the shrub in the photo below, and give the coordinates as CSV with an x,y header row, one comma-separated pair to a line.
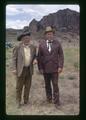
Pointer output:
x,y
71,77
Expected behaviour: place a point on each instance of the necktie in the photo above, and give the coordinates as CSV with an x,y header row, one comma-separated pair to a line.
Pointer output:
x,y
49,46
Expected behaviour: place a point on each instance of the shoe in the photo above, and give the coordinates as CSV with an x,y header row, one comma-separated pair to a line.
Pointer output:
x,y
26,103
57,105
19,105
49,101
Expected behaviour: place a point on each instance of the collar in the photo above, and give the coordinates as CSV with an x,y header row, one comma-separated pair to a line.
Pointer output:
x,y
49,41
26,45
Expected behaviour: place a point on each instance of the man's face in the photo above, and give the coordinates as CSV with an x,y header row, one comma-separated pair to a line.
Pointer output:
x,y
26,40
49,35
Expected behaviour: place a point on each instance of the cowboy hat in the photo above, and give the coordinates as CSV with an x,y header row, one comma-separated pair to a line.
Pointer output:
x,y
22,35
49,29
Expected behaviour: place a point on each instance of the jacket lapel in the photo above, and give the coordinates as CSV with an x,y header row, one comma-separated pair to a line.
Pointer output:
x,y
22,53
31,51
45,46
22,50
53,46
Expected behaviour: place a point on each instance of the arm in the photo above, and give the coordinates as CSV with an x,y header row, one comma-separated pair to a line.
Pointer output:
x,y
35,56
61,58
14,59
39,59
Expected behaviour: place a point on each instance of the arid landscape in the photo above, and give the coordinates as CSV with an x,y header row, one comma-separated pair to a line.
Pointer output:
x,y
66,25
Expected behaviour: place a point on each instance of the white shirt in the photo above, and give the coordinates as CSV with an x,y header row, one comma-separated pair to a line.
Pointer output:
x,y
27,55
48,46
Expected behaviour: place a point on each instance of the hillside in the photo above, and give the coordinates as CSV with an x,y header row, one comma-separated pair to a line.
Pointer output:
x,y
65,23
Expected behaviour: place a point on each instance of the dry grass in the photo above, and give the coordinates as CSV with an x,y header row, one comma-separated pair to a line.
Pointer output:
x,y
68,85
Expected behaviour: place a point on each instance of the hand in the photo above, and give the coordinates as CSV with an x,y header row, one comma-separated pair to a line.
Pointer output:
x,y
14,72
35,61
59,70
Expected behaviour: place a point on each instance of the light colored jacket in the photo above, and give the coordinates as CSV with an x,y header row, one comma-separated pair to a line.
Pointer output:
x,y
18,58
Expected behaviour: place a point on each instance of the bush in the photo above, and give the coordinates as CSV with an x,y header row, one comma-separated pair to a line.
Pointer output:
x,y
71,77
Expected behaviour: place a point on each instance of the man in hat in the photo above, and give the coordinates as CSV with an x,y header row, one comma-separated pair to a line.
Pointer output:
x,y
50,63
23,56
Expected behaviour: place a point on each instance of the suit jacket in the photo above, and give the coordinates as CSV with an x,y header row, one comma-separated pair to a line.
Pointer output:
x,y
18,59
49,62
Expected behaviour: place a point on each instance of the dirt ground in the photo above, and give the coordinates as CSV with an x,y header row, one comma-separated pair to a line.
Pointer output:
x,y
68,86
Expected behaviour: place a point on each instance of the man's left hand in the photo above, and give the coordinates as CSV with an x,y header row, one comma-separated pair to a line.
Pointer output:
x,y
59,70
35,62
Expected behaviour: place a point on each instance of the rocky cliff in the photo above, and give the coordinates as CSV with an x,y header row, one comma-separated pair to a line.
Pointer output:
x,y
65,22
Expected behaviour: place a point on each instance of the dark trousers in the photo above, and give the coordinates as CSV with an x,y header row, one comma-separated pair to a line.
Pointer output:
x,y
23,81
52,91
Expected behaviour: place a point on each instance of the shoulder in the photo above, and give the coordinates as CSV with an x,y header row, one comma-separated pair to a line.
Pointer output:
x,y
15,47
56,41
33,46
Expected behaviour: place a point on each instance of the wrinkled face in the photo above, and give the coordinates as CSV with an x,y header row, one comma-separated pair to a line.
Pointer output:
x,y
49,35
26,40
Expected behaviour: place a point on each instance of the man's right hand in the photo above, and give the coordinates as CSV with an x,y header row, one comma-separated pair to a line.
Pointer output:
x,y
14,72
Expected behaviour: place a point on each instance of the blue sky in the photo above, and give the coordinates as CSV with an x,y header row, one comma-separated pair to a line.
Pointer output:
x,y
18,16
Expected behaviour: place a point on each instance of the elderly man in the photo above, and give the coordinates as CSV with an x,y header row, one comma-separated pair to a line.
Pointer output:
x,y
50,63
23,56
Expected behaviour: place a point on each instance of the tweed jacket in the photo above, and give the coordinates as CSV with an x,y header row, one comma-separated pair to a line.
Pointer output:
x,y
18,58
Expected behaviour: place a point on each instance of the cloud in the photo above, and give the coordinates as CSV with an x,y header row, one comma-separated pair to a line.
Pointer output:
x,y
20,15
11,10
18,24
36,10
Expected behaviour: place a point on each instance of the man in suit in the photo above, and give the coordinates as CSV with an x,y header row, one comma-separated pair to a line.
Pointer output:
x,y
50,63
23,57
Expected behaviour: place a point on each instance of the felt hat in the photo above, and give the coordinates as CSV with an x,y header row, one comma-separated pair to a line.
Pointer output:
x,y
49,29
22,35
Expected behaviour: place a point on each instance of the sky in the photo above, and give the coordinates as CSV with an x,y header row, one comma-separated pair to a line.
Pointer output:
x,y
19,15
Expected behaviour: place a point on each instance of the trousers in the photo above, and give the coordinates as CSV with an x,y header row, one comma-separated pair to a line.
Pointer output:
x,y
52,90
24,81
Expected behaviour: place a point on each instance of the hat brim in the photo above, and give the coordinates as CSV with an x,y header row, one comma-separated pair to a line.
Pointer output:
x,y
49,31
22,35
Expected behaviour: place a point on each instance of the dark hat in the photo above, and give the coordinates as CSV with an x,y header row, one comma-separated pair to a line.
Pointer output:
x,y
22,35
49,29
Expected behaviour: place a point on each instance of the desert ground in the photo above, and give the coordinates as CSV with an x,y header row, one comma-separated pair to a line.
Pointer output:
x,y
68,85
